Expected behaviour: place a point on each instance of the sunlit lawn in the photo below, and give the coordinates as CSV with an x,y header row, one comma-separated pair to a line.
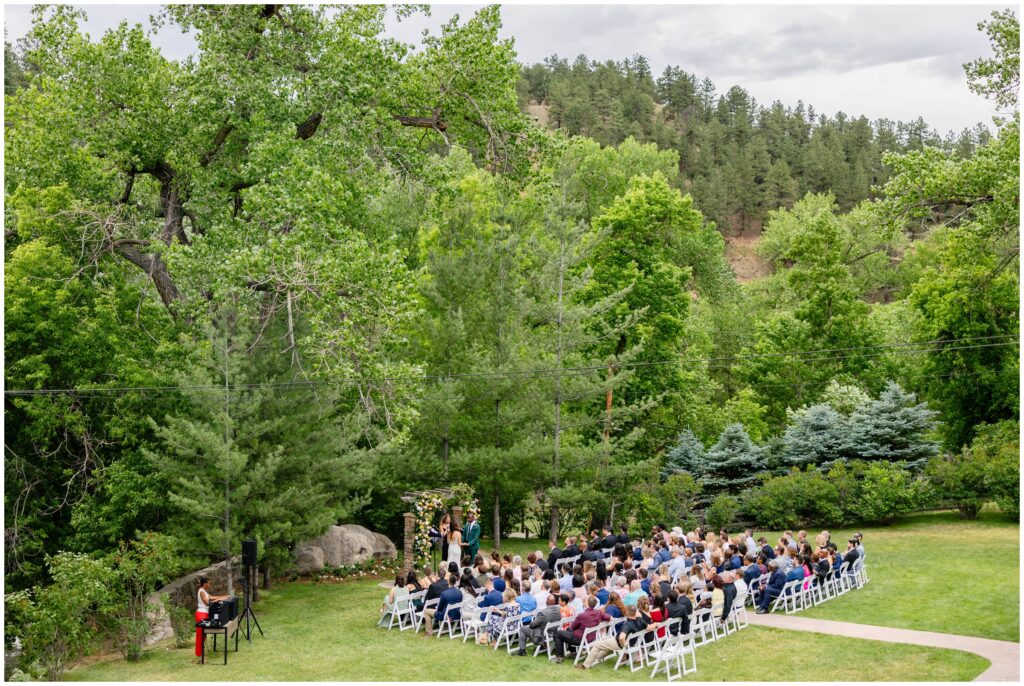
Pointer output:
x,y
931,572
320,632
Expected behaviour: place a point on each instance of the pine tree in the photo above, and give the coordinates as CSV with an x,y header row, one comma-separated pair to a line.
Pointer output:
x,y
248,460
818,435
688,455
893,427
732,463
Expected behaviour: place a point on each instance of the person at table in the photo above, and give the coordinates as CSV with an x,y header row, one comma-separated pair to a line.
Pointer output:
x,y
203,600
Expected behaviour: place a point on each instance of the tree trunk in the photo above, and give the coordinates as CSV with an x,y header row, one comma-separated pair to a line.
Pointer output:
x,y
553,533
497,522
266,575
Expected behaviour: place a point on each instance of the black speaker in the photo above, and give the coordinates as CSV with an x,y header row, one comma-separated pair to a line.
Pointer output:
x,y
248,553
223,611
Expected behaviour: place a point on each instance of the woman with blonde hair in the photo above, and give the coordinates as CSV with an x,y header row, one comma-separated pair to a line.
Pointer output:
x,y
509,608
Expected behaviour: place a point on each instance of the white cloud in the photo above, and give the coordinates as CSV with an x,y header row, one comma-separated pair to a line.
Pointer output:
x,y
898,62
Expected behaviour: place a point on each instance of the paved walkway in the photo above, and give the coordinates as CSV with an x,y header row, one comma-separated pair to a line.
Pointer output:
x,y
1004,655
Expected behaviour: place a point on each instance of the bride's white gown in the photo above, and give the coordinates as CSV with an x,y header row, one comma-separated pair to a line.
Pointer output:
x,y
454,552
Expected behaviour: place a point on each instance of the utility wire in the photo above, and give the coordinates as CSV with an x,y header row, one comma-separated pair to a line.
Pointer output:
x,y
881,350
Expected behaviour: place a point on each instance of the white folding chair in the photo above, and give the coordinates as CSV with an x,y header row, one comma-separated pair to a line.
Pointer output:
x,y
509,633
454,625
634,653
419,615
790,598
407,612
393,612
590,637
676,651
475,624
547,641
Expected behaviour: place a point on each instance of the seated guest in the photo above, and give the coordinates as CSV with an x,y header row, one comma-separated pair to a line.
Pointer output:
x,y
516,566
766,550
571,549
586,553
615,606
437,585
573,636
635,593
634,624
534,631
601,572
658,613
860,544
526,601
717,596
553,556
469,596
565,578
645,581
609,538
577,604
752,570
795,573
748,540
542,589
565,605
623,536
495,587
772,589
680,605
742,587
736,561
450,596
508,608
579,587
541,562
729,592
602,592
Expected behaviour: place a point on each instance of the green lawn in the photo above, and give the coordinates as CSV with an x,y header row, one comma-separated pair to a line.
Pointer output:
x,y
318,632
936,572
931,572
918,570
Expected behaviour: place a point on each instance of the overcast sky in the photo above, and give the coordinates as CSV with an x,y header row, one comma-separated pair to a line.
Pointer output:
x,y
898,62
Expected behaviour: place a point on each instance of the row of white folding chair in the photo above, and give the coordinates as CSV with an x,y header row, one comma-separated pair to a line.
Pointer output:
x,y
674,652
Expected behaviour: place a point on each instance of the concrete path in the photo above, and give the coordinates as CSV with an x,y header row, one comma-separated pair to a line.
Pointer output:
x,y
1004,655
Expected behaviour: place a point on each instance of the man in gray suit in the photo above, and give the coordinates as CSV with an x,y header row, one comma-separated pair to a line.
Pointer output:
x,y
534,631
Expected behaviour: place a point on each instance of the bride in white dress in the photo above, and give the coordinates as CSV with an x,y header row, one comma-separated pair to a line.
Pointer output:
x,y
455,546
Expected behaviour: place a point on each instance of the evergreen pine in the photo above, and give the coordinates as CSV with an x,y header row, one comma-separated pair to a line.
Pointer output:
x,y
818,435
893,427
687,455
732,463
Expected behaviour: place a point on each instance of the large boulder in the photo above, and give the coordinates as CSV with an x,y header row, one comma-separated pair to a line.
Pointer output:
x,y
343,545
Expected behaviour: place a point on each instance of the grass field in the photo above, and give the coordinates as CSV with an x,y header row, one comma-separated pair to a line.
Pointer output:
x,y
931,572
328,631
317,632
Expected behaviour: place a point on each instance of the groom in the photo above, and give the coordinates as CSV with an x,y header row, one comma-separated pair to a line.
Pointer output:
x,y
472,536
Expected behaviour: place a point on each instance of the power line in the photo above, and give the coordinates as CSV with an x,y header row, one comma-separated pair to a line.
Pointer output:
x,y
881,350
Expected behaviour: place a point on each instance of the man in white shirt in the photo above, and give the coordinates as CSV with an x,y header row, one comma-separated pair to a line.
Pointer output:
x,y
750,543
677,566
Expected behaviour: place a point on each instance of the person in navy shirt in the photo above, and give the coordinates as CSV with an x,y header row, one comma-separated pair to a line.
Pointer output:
x,y
450,596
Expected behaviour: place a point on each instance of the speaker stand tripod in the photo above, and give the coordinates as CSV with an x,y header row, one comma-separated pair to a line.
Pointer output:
x,y
248,615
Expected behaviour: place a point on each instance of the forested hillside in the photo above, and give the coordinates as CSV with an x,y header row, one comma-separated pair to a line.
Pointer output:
x,y
276,285
739,159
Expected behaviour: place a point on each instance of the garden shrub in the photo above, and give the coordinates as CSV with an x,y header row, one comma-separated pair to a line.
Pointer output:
x,y
722,512
887,491
182,622
799,499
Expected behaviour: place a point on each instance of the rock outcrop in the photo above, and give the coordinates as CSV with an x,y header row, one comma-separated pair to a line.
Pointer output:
x,y
342,545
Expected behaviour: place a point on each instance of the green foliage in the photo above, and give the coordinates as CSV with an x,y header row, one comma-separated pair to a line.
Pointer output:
x,y
817,436
886,492
57,623
138,568
732,463
893,427
687,455
987,469
998,77
799,499
722,512
183,622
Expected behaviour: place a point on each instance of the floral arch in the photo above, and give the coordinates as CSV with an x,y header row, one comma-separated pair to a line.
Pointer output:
x,y
460,499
